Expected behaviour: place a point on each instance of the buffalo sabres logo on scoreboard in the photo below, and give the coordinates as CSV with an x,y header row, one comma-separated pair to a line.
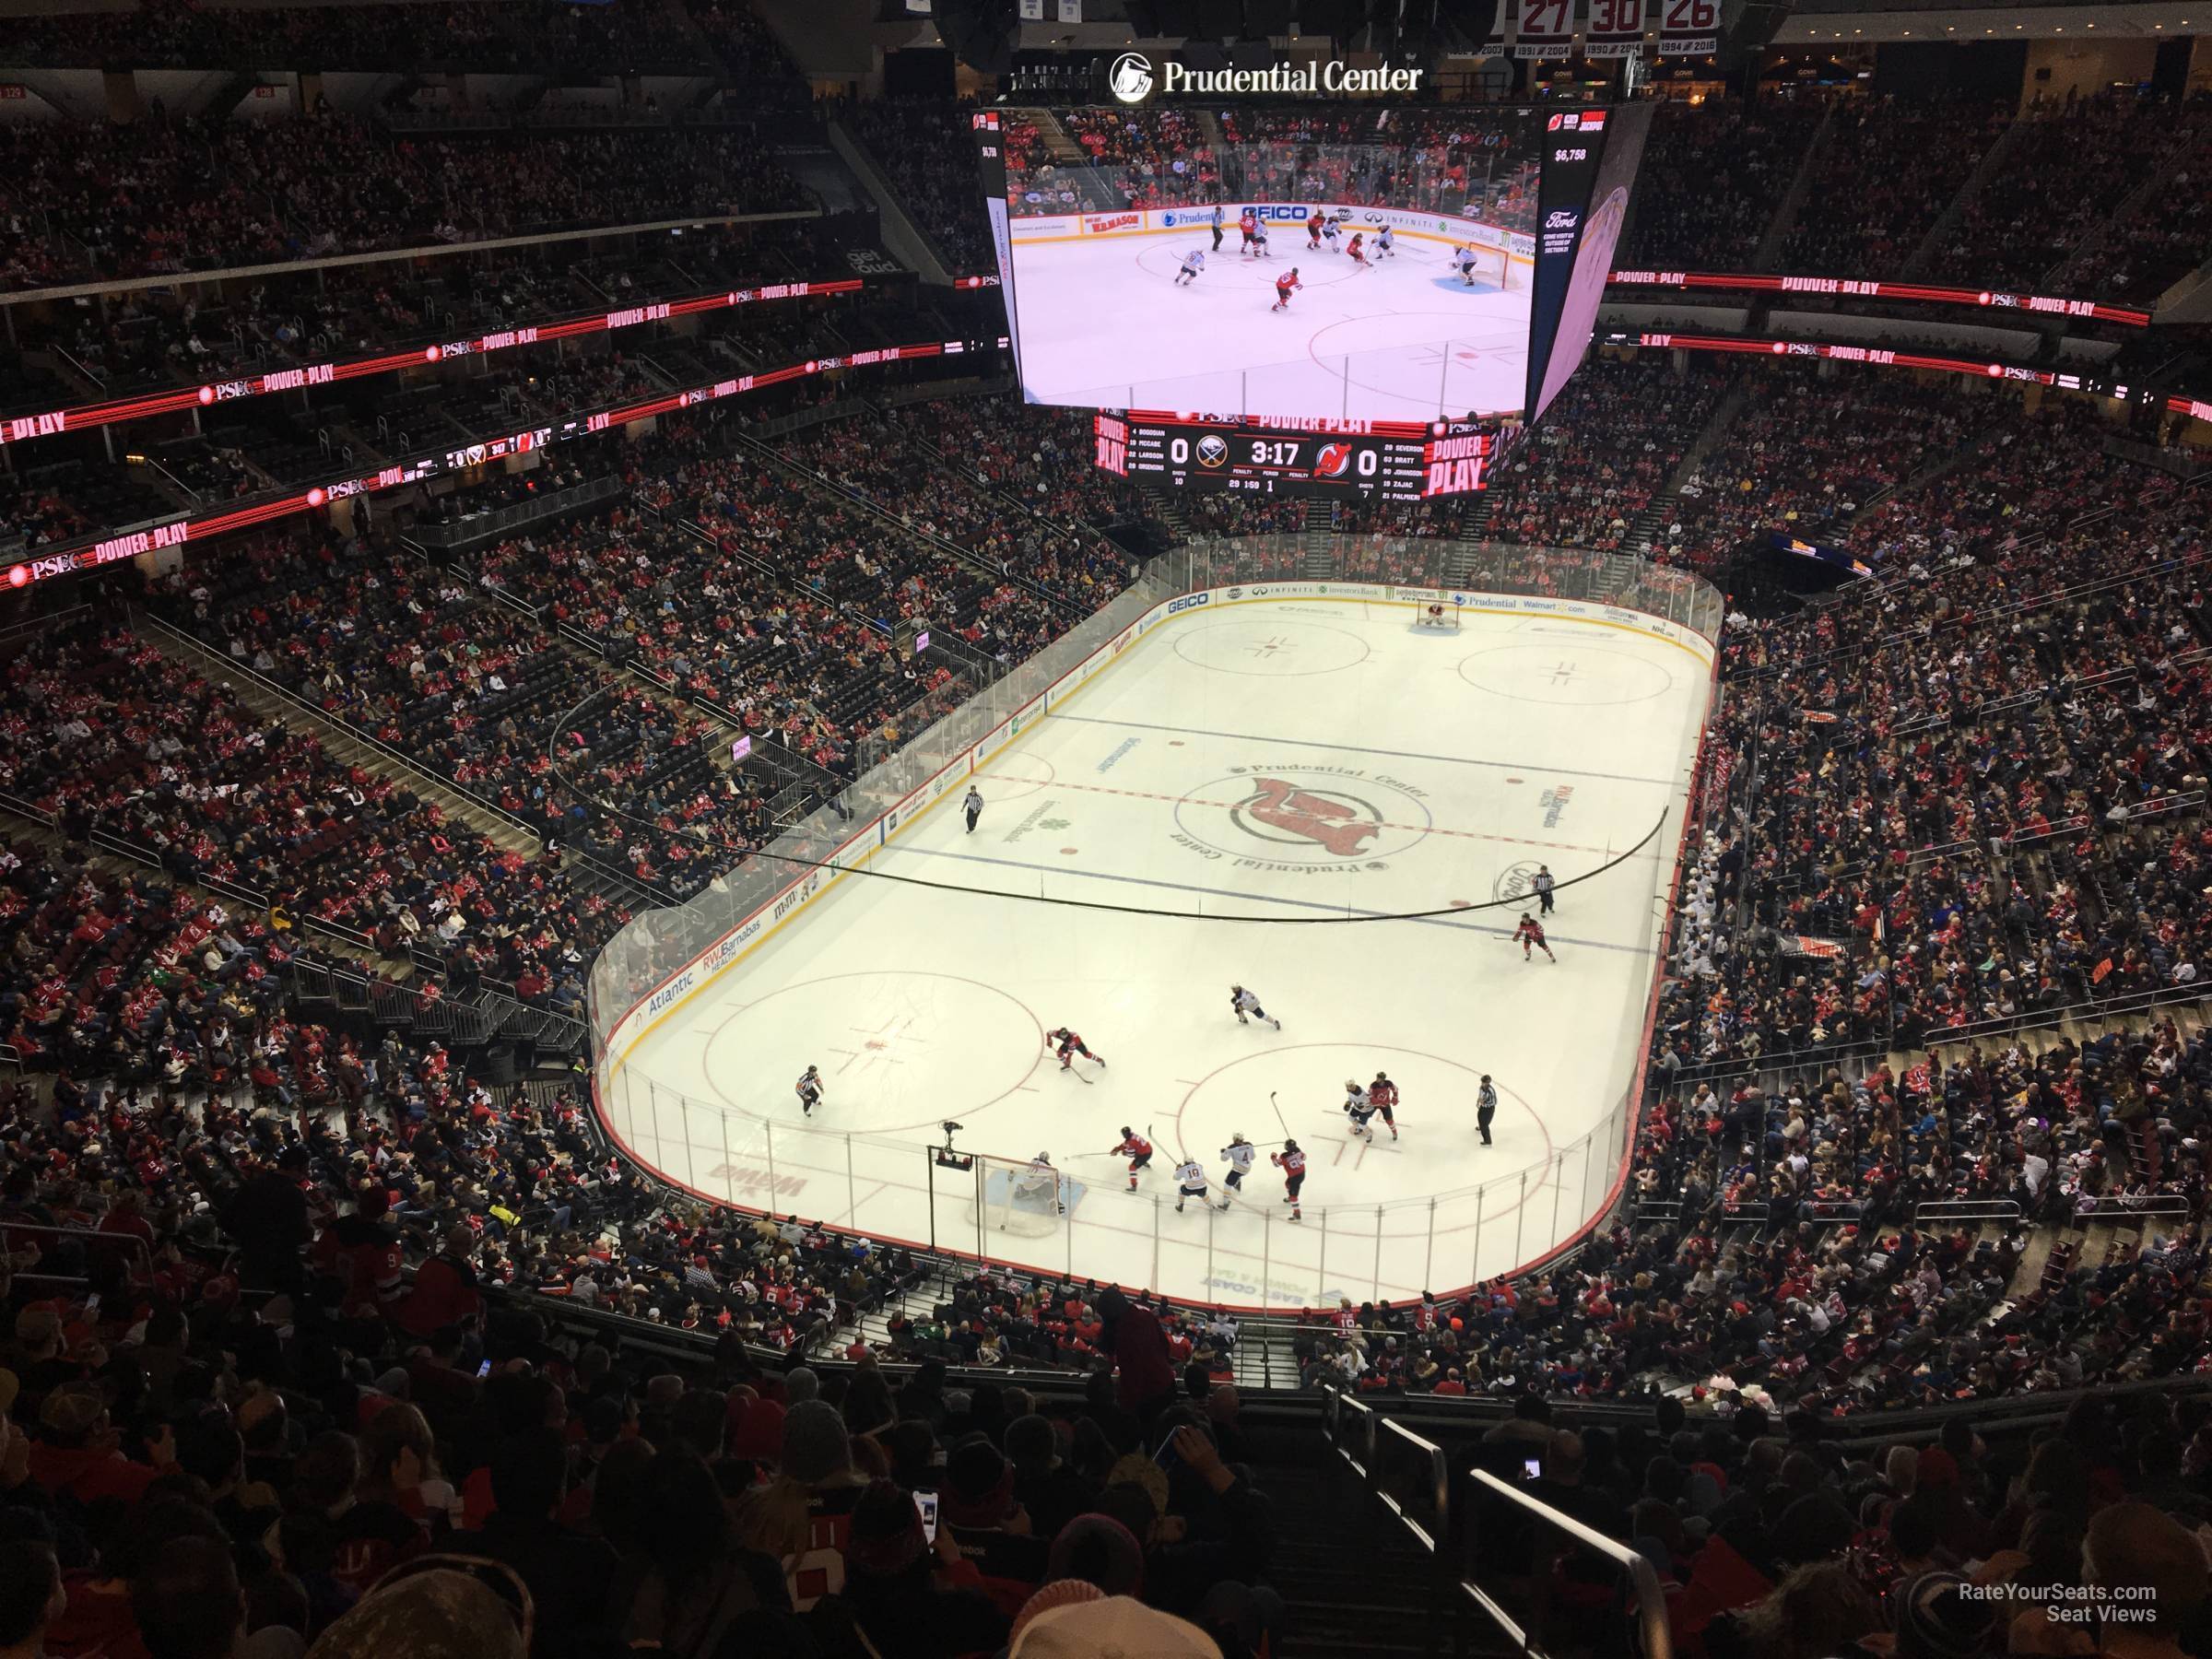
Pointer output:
x,y
1213,450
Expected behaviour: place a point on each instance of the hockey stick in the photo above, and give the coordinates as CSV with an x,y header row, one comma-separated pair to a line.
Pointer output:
x,y
1278,1114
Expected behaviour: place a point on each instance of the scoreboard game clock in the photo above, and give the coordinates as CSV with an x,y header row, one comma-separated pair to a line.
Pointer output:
x,y
1384,460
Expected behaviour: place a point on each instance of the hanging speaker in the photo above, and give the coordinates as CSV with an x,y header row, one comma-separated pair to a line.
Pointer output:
x,y
1338,19
1217,19
1754,23
981,34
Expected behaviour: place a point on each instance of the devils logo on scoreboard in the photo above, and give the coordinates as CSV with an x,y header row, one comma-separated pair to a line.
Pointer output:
x,y
1334,461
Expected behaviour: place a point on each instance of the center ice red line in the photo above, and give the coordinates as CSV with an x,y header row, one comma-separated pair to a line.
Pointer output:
x,y
1147,795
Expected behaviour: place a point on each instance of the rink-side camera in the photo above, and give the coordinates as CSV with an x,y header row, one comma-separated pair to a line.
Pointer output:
x,y
945,1157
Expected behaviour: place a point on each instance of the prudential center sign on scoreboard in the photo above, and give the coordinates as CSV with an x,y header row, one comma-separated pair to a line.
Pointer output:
x,y
1132,79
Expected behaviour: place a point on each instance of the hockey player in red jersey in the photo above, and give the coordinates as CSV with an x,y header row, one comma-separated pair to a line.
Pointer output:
x,y
1292,1163
1067,1045
1382,1095
1313,226
1249,223
1359,250
1530,935
1137,1149
1285,285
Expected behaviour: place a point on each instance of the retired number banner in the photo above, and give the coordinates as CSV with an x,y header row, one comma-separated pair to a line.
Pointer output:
x,y
1688,28
1613,29
1547,30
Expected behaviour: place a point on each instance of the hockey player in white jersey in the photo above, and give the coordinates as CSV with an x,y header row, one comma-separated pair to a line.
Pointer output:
x,y
1190,1182
1385,246
1463,261
1243,1001
1240,1154
1193,263
1360,1106
1039,1180
809,1091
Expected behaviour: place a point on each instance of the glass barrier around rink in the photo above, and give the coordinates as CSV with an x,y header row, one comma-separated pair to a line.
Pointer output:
x,y
1252,1255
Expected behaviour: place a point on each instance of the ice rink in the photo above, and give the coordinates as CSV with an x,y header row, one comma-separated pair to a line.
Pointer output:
x,y
1275,761
1102,321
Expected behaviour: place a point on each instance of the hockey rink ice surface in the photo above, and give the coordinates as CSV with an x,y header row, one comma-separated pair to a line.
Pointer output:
x,y
1103,323
1265,759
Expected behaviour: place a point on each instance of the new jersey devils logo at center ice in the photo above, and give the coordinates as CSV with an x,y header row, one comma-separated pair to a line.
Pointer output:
x,y
1314,818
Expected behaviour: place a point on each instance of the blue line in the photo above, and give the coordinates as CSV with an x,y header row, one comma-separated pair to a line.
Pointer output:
x,y
1184,886
1353,748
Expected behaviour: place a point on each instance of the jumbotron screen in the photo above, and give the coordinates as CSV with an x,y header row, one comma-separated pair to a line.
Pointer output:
x,y
1343,262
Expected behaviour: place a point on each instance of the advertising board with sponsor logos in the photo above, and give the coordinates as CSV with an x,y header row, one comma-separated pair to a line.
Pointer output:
x,y
950,776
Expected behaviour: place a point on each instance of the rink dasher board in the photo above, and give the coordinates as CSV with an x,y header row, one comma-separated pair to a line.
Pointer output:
x,y
1039,230
661,1004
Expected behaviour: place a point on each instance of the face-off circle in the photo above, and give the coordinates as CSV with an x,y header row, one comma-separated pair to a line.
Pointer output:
x,y
1311,818
893,1044
1269,647
1573,672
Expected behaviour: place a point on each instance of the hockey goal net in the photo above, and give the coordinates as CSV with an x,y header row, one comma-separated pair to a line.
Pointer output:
x,y
1490,268
1432,608
1012,1198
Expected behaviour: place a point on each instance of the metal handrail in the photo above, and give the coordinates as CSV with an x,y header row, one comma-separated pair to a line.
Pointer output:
x,y
1365,1419
129,1244
1440,1487
53,622
1967,1210
143,621
1650,1602
2040,1020
2167,1207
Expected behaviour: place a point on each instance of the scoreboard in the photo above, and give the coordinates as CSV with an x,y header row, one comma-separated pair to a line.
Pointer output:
x,y
1382,459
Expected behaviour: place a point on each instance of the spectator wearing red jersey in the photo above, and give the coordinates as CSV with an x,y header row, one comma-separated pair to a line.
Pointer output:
x,y
444,1292
1139,1349
77,1452
362,1252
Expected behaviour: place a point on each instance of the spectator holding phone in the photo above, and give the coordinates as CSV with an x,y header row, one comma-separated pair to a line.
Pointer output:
x,y
913,1598
1217,1528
